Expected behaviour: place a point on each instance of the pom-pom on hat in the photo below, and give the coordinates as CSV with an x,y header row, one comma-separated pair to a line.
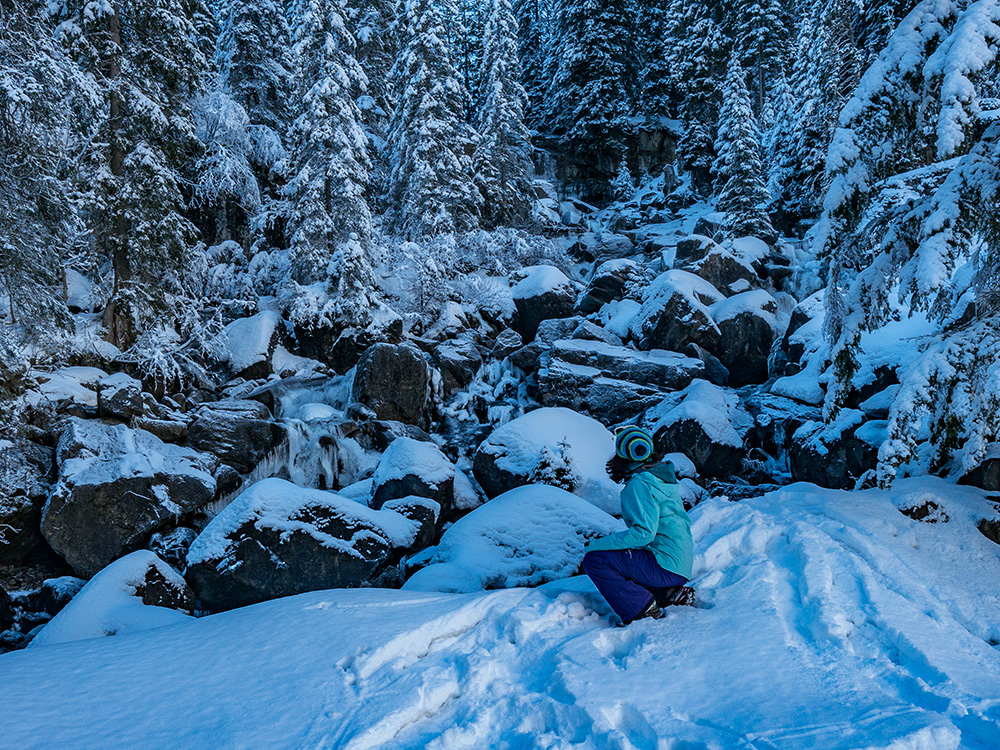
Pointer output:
x,y
633,444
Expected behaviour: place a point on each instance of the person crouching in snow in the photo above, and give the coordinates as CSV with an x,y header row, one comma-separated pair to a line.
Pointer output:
x,y
645,567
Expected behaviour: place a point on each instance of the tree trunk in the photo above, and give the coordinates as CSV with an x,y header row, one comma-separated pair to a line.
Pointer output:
x,y
117,315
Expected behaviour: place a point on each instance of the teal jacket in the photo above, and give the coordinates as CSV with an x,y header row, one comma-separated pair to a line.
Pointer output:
x,y
657,521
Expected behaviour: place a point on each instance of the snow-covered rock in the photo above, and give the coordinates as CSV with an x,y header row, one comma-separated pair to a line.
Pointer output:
x,y
396,382
413,468
544,292
458,362
137,592
608,284
724,270
748,326
659,369
693,248
524,537
837,454
705,423
277,539
56,593
509,456
238,432
119,396
675,311
987,473
115,487
251,342
25,476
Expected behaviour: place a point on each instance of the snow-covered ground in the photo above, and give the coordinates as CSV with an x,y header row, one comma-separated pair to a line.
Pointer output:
x,y
827,620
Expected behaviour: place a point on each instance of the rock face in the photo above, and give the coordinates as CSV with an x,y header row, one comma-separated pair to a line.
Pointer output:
x,y
707,424
115,487
413,468
239,433
543,294
56,593
119,397
723,270
987,474
395,381
25,476
748,328
278,539
676,313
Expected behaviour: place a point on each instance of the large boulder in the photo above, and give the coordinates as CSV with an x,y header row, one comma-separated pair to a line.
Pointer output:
x,y
659,369
119,396
510,456
396,382
115,487
675,312
586,389
249,344
25,478
837,454
725,271
987,473
693,248
707,424
748,326
278,539
543,293
239,432
137,592
413,468
525,537
458,362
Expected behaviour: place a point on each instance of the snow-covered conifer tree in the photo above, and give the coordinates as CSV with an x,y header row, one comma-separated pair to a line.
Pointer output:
x,y
759,33
914,117
148,60
743,193
592,90
535,33
623,186
657,77
330,220
503,154
430,190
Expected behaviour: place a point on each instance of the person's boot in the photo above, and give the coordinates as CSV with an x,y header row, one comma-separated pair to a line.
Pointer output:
x,y
675,596
652,611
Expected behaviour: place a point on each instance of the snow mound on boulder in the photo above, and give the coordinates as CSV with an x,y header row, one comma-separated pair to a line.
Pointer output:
x,y
525,537
509,456
715,409
112,602
408,457
277,504
540,280
249,341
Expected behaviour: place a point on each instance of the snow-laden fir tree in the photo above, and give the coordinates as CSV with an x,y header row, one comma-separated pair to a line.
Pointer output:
x,y
467,42
503,154
914,120
555,468
38,222
256,68
430,188
623,186
758,31
330,220
743,195
657,76
147,58
535,20
592,91
778,146
700,54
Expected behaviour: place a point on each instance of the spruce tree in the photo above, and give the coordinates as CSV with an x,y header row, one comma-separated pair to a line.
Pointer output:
x,y
330,221
743,193
657,78
592,89
147,59
759,34
535,20
503,154
431,189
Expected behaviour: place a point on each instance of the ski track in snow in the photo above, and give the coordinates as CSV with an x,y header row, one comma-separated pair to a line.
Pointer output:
x,y
825,621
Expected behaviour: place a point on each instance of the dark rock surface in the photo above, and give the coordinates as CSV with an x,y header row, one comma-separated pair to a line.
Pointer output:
x,y
395,382
544,294
25,477
239,432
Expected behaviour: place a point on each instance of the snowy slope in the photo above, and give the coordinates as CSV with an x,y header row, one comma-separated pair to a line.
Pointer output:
x,y
829,620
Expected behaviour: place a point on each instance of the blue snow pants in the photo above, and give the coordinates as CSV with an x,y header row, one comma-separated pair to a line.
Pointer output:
x,y
628,578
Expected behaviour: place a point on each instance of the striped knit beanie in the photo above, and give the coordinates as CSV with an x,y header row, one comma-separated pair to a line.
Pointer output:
x,y
633,444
